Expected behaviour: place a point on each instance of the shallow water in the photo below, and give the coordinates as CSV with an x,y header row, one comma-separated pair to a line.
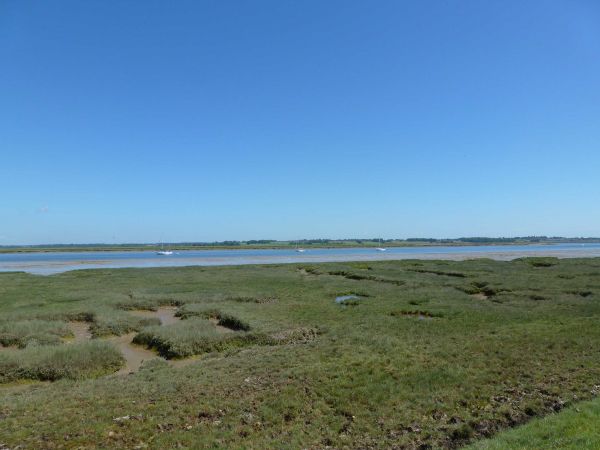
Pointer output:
x,y
343,298
56,262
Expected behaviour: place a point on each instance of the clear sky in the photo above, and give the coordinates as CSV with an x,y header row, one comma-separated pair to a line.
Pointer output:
x,y
133,121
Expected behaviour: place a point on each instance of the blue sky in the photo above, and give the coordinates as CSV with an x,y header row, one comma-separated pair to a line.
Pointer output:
x,y
138,121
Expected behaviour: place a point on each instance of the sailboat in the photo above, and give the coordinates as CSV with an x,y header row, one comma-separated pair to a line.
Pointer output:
x,y
164,252
298,249
381,248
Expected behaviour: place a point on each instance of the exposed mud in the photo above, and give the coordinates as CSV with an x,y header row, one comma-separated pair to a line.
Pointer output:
x,y
480,296
134,355
81,332
9,348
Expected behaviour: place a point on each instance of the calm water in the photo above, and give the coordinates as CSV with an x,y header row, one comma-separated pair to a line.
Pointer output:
x,y
50,263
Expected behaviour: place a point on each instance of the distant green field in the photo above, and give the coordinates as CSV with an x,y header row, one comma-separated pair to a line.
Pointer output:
x,y
432,354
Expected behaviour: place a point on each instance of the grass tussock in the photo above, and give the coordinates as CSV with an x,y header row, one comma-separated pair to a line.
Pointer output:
x,y
540,261
223,319
24,333
194,336
300,335
118,323
49,363
481,287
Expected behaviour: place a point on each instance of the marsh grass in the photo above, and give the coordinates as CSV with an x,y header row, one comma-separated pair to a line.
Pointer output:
x,y
334,377
223,319
194,336
114,322
49,363
575,428
32,332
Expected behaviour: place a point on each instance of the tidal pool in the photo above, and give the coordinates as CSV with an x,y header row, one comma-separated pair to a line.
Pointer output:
x,y
342,298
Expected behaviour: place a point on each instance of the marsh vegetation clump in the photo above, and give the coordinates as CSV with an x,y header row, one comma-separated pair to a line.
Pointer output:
x,y
23,333
194,336
580,292
416,313
481,289
540,261
116,323
300,335
50,363
223,319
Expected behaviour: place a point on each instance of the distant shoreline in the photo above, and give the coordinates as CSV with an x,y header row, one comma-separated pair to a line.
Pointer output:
x,y
281,245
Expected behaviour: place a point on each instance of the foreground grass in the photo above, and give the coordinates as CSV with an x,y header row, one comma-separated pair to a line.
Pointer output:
x,y
575,428
434,354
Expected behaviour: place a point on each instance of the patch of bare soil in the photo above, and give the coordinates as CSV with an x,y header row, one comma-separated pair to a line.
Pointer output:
x,y
81,332
10,347
134,355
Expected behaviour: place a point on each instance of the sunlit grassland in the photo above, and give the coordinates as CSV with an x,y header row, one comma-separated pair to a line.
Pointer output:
x,y
434,353
575,428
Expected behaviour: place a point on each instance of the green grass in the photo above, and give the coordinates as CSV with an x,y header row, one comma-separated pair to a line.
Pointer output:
x,y
575,428
76,361
438,354
106,323
194,337
23,333
223,319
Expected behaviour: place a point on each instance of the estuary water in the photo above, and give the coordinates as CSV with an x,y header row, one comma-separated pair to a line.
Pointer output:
x,y
55,262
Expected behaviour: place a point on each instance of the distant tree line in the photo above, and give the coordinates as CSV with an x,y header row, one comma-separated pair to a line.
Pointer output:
x,y
317,242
